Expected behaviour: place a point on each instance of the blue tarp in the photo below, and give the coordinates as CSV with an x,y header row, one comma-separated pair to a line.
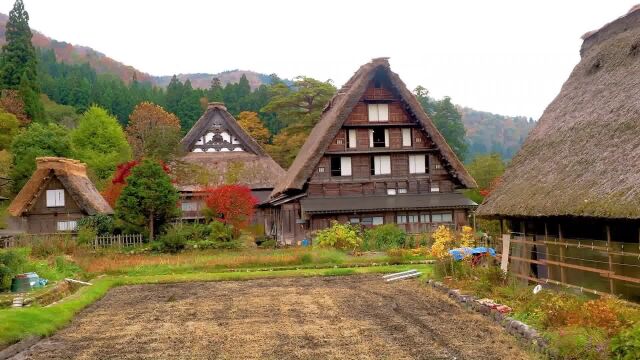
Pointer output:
x,y
460,253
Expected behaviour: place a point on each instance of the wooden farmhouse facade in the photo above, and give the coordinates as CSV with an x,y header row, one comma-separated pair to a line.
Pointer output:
x,y
375,157
571,196
57,195
219,151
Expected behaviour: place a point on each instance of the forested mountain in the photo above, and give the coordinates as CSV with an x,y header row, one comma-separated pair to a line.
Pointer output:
x,y
493,133
203,81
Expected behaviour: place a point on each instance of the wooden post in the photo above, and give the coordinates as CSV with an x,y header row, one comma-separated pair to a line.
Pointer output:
x,y
612,288
563,275
546,247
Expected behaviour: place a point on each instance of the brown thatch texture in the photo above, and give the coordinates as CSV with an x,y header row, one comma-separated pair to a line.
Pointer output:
x,y
254,171
72,174
583,157
252,167
337,111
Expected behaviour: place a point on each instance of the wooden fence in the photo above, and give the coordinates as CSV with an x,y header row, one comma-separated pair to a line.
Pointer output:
x,y
592,266
117,240
30,240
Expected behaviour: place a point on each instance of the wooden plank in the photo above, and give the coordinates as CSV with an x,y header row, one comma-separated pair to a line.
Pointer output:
x,y
578,267
531,261
623,278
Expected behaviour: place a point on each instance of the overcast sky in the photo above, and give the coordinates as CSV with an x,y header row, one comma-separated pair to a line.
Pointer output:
x,y
507,57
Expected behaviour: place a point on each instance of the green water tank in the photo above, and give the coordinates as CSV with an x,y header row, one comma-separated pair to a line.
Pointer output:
x,y
24,282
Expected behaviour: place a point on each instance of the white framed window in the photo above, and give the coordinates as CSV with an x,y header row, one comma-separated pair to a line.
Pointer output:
x,y
341,166
339,141
391,191
402,190
55,198
381,165
445,217
379,137
425,218
321,169
378,112
354,220
352,139
435,187
189,206
377,220
70,225
417,164
406,137
401,219
412,218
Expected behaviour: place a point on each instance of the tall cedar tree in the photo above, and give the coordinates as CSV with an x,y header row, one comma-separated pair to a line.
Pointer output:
x,y
149,199
447,119
18,64
231,204
251,123
153,132
38,140
100,142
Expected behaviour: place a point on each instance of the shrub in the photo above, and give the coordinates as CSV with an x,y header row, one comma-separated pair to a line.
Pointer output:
x,y
384,237
442,242
100,223
626,345
269,244
339,236
12,262
86,235
174,240
578,343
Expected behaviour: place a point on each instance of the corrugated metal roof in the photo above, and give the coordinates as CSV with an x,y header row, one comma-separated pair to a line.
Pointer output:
x,y
386,202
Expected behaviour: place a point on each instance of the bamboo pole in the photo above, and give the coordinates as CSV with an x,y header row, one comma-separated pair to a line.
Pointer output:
x,y
546,250
612,285
563,274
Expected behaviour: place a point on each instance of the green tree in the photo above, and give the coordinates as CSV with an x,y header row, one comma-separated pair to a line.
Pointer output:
x,y
485,169
446,118
9,125
302,104
100,142
18,64
215,92
38,140
149,199
189,109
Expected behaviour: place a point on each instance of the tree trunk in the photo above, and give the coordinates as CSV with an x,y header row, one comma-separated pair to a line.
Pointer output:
x,y
151,216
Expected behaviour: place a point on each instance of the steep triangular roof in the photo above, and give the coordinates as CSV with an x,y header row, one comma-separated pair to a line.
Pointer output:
x,y
73,176
226,120
583,156
336,113
254,167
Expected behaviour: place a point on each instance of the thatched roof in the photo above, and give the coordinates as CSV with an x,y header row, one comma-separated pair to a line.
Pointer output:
x,y
338,110
73,176
252,167
583,157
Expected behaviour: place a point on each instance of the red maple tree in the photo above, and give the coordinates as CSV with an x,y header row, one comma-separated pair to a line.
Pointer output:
x,y
119,180
231,204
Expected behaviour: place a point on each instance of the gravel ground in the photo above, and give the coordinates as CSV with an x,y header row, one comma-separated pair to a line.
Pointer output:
x,y
351,317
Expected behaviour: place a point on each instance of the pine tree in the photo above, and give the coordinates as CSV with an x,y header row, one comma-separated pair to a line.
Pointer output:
x,y
18,64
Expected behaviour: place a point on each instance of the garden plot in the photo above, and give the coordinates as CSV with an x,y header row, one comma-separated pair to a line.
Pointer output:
x,y
295,318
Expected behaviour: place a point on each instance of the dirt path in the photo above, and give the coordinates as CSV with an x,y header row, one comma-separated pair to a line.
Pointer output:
x,y
300,318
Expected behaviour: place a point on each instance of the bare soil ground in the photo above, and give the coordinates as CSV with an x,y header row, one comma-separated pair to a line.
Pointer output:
x,y
353,317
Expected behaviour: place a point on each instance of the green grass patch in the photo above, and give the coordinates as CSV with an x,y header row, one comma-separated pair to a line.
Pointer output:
x,y
16,324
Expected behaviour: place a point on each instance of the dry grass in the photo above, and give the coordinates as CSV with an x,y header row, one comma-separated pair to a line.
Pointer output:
x,y
140,264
